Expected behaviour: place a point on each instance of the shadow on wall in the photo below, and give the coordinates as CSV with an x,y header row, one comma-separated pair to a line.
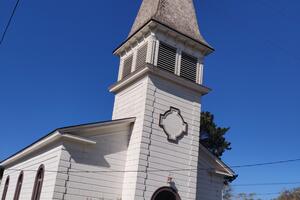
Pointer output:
x,y
177,91
109,152
1,173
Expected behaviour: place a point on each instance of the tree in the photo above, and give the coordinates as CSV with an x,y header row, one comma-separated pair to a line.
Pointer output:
x,y
227,193
290,195
212,136
244,196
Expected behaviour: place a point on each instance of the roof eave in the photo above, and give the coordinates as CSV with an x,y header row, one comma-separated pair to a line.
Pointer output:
x,y
62,134
150,69
228,172
152,24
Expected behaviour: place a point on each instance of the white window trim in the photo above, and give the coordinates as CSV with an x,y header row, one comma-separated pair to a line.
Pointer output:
x,y
200,69
134,58
178,61
121,69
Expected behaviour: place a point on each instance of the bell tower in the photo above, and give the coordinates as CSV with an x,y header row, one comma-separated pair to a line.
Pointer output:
x,y
160,82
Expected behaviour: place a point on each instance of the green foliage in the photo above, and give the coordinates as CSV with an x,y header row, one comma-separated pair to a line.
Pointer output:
x,y
290,195
212,136
227,193
244,196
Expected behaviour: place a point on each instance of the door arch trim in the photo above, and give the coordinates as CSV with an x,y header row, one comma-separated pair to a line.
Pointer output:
x,y
165,189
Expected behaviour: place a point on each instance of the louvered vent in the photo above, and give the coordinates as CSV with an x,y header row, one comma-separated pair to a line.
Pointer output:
x,y
188,69
127,66
141,57
166,57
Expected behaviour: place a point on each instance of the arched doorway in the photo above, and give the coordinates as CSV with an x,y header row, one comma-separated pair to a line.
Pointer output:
x,y
165,193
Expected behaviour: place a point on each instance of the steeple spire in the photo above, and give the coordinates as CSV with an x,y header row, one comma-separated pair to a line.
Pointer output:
x,y
179,15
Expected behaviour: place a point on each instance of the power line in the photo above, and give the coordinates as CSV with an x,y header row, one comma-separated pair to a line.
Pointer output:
x,y
265,184
167,170
9,21
263,194
266,163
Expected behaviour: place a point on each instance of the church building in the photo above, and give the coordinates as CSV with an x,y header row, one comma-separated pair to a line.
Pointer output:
x,y
150,149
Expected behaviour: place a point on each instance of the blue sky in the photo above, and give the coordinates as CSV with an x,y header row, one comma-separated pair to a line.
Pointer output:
x,y
56,64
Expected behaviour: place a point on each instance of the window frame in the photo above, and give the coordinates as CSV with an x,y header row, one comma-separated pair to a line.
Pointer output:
x,y
189,59
127,60
19,186
5,189
38,183
160,57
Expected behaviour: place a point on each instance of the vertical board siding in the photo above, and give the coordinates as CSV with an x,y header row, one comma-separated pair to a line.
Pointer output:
x,y
50,158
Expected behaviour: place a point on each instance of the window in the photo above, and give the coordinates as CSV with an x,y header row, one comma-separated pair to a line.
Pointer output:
x,y
166,57
188,69
5,188
127,66
36,194
19,186
141,57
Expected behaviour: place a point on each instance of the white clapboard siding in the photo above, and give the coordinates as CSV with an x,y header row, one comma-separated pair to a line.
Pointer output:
x,y
49,157
209,185
161,95
149,148
131,102
89,166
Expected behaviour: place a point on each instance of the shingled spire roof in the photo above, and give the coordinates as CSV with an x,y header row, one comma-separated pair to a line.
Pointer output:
x,y
179,15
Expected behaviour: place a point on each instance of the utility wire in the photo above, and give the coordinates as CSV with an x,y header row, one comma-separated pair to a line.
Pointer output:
x,y
266,163
266,194
166,170
9,22
265,184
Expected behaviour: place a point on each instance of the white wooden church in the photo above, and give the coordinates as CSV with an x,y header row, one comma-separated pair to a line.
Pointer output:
x,y
150,149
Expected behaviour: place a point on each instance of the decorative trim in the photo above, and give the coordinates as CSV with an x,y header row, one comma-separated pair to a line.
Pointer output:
x,y
59,134
152,70
168,121
19,186
6,185
166,189
38,183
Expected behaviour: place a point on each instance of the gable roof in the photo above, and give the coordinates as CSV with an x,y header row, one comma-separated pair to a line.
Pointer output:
x,y
220,167
179,15
63,133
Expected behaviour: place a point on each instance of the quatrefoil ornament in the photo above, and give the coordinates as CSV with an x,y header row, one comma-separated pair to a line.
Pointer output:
x,y
173,124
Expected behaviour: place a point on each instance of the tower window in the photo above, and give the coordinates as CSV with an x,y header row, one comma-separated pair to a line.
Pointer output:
x,y
19,186
127,66
166,57
188,69
5,188
141,57
38,183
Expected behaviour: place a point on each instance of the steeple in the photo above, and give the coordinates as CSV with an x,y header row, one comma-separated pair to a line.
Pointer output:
x,y
179,15
160,84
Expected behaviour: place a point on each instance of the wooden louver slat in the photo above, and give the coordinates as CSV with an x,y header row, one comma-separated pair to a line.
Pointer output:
x,y
188,69
166,57
141,56
127,66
